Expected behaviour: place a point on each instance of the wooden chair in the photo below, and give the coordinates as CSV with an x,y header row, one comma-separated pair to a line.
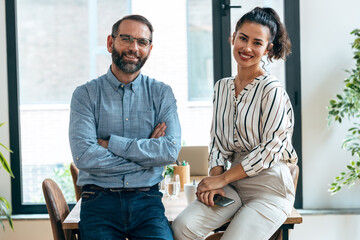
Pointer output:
x,y
74,174
280,234
58,210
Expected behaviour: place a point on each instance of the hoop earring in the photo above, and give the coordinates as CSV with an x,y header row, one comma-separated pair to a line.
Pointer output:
x,y
264,65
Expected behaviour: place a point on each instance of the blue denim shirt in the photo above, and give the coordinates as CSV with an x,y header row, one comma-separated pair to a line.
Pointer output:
x,y
126,115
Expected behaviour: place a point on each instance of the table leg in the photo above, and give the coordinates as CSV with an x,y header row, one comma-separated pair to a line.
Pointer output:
x,y
285,234
285,228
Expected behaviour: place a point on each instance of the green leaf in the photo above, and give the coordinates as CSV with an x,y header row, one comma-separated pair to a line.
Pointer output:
x,y
5,147
6,165
350,167
5,209
169,170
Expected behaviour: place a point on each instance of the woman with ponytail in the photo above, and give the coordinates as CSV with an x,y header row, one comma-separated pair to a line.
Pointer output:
x,y
251,131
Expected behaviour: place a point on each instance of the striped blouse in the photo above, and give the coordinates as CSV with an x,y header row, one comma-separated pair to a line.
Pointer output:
x,y
258,123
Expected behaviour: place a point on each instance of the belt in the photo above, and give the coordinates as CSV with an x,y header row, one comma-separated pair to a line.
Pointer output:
x,y
141,189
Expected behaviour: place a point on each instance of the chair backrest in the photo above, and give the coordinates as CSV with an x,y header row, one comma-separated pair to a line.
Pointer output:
x,y
74,174
197,157
294,170
57,208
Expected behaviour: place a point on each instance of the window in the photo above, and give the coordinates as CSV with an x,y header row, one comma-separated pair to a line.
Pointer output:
x,y
200,63
62,45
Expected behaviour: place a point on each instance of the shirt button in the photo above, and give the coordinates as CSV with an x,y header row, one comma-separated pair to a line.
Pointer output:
x,y
127,183
77,158
122,86
174,142
126,119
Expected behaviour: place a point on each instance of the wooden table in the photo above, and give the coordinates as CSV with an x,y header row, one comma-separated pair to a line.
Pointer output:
x,y
294,218
173,207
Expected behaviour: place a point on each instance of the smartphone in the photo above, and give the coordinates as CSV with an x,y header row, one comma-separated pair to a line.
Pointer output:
x,y
222,201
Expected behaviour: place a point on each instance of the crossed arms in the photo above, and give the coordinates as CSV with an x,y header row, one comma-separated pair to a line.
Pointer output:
x,y
120,155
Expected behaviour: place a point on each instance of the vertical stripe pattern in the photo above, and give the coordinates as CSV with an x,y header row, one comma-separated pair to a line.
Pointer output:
x,y
258,123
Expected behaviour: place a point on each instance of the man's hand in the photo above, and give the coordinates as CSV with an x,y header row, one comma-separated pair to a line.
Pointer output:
x,y
159,130
103,143
208,197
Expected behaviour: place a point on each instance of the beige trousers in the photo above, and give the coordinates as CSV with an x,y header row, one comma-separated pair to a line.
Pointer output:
x,y
262,204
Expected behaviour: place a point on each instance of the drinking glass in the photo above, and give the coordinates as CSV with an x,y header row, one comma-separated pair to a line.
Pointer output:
x,y
172,186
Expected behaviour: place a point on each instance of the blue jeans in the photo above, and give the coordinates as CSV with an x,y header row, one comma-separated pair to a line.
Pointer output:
x,y
118,215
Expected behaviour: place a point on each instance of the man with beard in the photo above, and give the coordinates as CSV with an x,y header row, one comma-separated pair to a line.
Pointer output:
x,y
124,129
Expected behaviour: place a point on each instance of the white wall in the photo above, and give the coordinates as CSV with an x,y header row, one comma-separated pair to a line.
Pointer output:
x,y
325,54
329,227
27,229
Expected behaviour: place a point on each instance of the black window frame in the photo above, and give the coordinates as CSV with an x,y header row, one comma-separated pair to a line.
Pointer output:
x,y
222,65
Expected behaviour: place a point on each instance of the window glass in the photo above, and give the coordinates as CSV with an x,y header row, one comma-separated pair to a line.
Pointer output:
x,y
200,54
62,44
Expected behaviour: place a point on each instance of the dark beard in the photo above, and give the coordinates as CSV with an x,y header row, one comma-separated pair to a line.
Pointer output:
x,y
127,66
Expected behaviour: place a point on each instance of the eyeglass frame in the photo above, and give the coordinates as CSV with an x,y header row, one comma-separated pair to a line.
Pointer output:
x,y
132,39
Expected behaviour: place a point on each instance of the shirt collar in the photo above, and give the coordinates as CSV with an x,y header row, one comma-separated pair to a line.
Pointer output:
x,y
115,83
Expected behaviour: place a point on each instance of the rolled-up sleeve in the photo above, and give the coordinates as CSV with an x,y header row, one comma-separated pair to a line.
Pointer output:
x,y
215,157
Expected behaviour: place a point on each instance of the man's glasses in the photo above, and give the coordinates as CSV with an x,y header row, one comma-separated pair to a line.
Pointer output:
x,y
128,40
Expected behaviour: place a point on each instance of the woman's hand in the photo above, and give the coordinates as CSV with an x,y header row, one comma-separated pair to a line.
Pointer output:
x,y
208,197
211,183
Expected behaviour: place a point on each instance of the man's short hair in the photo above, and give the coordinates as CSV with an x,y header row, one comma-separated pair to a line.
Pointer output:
x,y
134,17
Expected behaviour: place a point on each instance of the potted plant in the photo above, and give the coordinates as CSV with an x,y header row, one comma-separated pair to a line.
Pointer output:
x,y
347,105
168,171
5,207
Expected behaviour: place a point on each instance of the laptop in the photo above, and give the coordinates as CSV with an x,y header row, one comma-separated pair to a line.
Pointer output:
x,y
197,157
